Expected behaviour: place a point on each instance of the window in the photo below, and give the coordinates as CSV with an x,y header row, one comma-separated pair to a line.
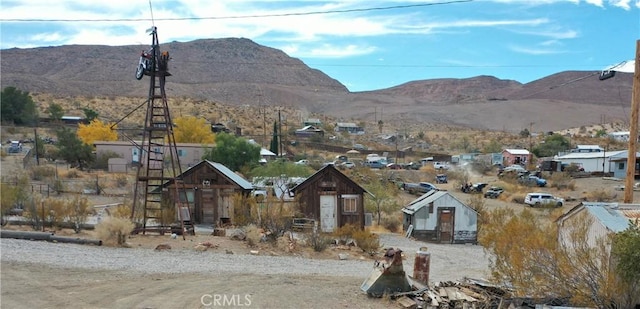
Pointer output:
x,y
350,203
620,165
182,152
431,207
189,196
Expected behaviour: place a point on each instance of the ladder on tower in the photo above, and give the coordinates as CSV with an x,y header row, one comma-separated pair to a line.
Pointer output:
x,y
158,178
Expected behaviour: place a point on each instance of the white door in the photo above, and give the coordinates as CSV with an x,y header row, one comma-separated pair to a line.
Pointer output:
x,y
328,218
135,155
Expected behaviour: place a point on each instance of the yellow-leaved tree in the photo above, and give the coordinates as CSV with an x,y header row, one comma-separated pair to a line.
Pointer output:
x,y
96,130
191,129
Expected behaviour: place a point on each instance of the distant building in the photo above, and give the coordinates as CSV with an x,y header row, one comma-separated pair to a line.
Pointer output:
x,y
621,136
516,156
312,122
189,154
587,148
594,161
349,127
309,131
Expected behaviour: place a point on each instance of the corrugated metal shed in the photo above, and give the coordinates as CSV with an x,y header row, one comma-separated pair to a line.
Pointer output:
x,y
613,216
422,201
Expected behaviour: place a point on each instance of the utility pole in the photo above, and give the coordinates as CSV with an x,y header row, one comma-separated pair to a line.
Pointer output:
x,y
279,133
633,131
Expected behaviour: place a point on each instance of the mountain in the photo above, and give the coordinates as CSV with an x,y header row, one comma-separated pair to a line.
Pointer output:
x,y
236,71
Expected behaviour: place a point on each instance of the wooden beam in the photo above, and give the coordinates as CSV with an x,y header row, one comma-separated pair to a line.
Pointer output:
x,y
633,131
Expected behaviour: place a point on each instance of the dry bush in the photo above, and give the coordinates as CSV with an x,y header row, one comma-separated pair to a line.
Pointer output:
x,y
121,180
393,223
79,211
41,172
345,233
561,181
600,195
518,198
71,173
367,241
252,235
56,211
114,231
317,240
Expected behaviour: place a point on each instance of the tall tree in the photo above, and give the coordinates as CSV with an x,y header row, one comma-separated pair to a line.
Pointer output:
x,y
89,114
96,131
233,152
17,106
274,140
55,111
72,149
191,129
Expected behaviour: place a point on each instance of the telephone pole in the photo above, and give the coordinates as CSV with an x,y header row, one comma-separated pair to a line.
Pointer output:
x,y
633,131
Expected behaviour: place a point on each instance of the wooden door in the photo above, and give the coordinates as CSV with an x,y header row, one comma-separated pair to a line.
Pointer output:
x,y
207,213
445,225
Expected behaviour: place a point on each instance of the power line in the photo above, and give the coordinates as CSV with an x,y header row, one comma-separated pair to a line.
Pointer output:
x,y
395,7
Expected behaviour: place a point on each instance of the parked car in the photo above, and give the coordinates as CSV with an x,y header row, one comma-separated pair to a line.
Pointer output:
x,y
348,165
515,168
15,147
394,166
493,192
302,162
422,187
532,180
441,165
441,178
537,199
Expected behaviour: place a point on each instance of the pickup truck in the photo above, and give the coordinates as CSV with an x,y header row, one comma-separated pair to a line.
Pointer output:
x,y
421,187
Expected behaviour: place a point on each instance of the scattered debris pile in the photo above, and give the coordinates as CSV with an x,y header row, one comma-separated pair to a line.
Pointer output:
x,y
389,279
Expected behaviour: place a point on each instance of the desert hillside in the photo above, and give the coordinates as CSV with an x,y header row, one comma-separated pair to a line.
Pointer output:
x,y
237,72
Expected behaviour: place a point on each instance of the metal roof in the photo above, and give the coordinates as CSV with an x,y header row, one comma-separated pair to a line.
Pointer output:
x,y
517,151
592,155
425,199
231,175
614,216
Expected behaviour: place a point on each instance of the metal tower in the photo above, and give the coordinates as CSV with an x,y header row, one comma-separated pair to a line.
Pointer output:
x,y
159,171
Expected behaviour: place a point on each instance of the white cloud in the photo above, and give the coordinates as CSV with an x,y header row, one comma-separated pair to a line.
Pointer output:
x,y
534,50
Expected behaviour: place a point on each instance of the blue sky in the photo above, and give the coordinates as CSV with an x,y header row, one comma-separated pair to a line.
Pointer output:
x,y
365,45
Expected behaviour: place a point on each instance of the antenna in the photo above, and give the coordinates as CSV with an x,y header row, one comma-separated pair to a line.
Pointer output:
x,y
153,23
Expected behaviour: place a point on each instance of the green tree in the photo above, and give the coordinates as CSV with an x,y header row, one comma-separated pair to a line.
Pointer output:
x,y
626,252
281,167
55,111
72,149
383,197
492,147
18,106
90,114
233,152
552,145
274,140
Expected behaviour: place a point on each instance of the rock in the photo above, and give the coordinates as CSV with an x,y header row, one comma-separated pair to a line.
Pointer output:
x,y
163,247
201,247
228,252
254,252
343,256
237,234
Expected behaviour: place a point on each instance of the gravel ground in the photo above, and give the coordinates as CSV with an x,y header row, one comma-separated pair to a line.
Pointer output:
x,y
448,262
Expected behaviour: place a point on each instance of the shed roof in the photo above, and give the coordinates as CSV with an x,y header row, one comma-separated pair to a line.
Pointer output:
x,y
223,170
427,198
614,216
518,151
592,155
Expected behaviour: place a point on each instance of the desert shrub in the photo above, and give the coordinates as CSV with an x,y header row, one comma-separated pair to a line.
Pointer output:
x,y
561,181
252,233
367,241
102,159
72,173
79,210
600,195
114,231
518,198
56,211
345,233
3,154
477,202
41,172
392,223
316,240
121,180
